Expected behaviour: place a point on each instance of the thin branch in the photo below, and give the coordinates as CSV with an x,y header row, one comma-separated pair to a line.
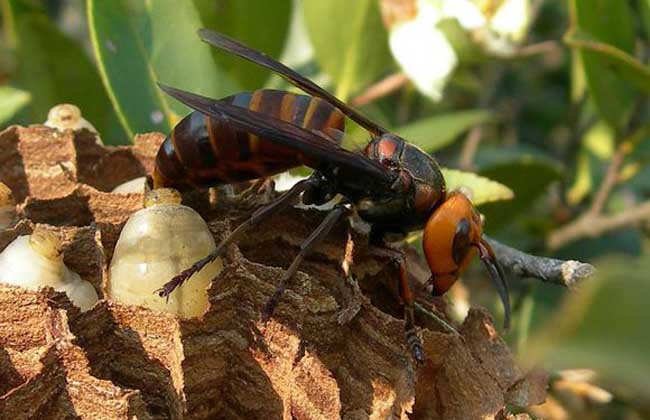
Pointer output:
x,y
382,88
591,226
593,223
609,182
544,47
470,147
549,270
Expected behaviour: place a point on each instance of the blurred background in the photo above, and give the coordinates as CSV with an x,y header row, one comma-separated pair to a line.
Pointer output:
x,y
547,97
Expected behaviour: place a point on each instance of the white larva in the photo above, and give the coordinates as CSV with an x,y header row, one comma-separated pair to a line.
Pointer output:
x,y
35,261
136,185
157,243
68,117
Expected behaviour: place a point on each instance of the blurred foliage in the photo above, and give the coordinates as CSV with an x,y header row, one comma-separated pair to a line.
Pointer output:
x,y
135,49
448,127
481,190
552,92
354,53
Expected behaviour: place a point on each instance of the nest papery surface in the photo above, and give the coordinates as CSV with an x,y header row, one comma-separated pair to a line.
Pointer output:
x,y
118,361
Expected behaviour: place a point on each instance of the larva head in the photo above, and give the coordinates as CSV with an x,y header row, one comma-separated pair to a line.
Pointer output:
x,y
452,237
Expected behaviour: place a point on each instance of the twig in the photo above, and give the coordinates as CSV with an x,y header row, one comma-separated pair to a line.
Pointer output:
x,y
592,226
545,47
473,139
470,147
592,223
610,180
550,270
384,87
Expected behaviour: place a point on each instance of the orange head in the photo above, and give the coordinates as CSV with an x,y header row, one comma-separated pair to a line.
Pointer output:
x,y
452,236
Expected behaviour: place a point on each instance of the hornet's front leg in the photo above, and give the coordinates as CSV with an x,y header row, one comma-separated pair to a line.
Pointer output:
x,y
257,217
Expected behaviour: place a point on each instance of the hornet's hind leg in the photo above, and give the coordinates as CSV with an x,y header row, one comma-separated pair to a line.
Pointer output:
x,y
316,236
412,338
258,216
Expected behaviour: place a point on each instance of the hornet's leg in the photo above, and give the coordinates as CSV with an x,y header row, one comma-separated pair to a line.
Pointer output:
x,y
257,217
351,291
316,236
264,186
412,338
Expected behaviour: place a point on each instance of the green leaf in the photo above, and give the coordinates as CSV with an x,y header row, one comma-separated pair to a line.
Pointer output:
x,y
644,5
606,22
52,67
139,43
582,184
12,100
483,190
528,174
349,40
603,326
434,133
623,64
248,22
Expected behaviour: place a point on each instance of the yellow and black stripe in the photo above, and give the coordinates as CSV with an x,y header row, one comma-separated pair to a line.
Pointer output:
x,y
202,151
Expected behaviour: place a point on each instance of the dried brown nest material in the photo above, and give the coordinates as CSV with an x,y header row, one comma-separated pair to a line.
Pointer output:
x,y
117,361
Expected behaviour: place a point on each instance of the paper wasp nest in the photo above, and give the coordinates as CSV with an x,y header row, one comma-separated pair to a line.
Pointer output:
x,y
119,361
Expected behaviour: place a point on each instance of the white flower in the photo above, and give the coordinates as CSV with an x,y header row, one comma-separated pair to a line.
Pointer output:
x,y
425,55
506,28
511,20
423,50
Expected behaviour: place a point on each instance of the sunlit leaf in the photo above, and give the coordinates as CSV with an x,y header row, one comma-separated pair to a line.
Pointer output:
x,y
436,132
52,67
644,5
248,21
350,42
582,183
139,43
623,64
482,190
12,100
526,173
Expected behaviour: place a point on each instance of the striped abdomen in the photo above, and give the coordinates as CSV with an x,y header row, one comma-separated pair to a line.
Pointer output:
x,y
201,151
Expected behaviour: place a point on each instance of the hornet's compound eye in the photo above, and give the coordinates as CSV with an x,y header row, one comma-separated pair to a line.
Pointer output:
x,y
462,241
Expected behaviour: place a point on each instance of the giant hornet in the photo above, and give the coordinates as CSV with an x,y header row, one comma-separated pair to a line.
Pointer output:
x,y
392,185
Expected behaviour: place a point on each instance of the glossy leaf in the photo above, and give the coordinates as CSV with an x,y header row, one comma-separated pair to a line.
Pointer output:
x,y
626,66
138,43
644,5
482,190
349,40
263,25
12,100
606,22
526,173
434,133
53,67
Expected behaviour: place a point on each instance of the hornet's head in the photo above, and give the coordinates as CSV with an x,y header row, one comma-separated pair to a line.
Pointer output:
x,y
452,237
